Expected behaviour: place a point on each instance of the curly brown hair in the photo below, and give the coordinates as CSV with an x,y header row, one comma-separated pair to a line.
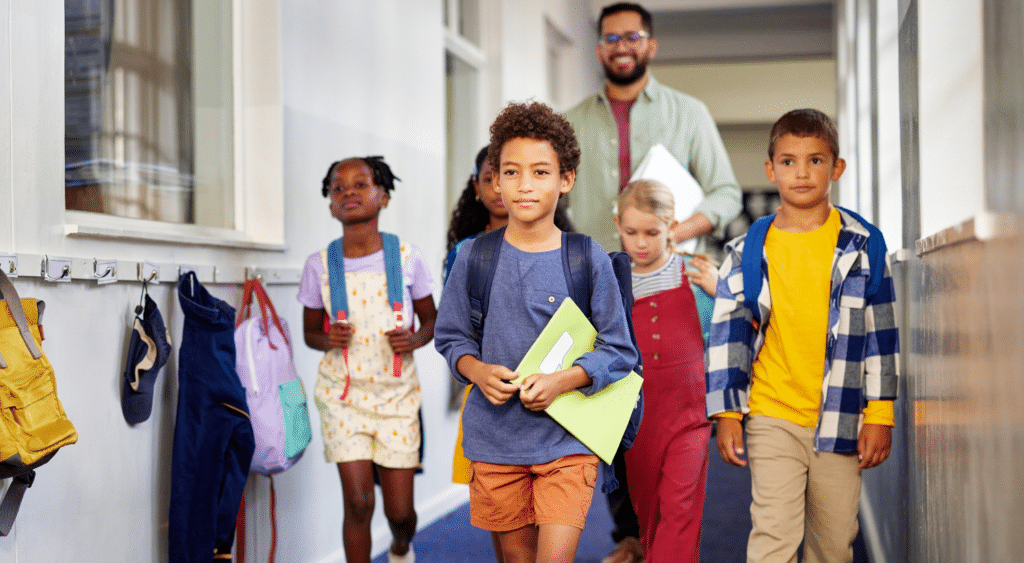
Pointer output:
x,y
537,121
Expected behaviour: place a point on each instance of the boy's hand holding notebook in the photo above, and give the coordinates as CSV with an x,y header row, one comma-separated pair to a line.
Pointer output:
x,y
600,419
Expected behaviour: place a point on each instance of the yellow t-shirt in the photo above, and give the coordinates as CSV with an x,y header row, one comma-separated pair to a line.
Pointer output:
x,y
786,378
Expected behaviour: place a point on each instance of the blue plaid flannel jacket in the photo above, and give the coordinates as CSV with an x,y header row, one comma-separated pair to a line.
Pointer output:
x,y
861,350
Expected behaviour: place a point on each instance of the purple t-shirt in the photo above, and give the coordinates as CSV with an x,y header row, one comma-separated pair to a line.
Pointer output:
x,y
416,277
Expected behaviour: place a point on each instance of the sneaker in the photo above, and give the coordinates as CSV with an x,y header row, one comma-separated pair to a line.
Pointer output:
x,y
628,550
409,557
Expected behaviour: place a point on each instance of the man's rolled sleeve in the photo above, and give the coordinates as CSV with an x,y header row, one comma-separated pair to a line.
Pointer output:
x,y
723,199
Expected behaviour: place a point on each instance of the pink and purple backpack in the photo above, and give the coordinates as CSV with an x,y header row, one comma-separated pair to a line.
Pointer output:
x,y
275,395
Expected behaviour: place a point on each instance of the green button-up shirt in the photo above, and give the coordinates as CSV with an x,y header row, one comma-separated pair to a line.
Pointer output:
x,y
660,115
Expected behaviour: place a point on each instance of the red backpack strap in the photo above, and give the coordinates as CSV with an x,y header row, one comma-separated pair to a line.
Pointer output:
x,y
273,520
240,532
244,310
268,311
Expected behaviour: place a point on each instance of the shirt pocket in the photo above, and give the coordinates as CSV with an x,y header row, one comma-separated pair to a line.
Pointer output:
x,y
735,283
851,293
543,303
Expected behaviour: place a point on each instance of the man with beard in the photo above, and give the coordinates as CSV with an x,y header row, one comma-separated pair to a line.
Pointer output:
x,y
616,127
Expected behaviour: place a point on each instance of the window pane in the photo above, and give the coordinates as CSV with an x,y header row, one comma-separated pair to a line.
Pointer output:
x,y
469,20
148,99
462,101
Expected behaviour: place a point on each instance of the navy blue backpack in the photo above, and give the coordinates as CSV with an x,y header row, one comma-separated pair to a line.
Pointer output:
x,y
483,259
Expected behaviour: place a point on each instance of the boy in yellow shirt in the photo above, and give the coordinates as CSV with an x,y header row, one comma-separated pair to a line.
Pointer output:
x,y
804,345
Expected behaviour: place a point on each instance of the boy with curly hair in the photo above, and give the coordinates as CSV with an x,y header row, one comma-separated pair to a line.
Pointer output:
x,y
531,480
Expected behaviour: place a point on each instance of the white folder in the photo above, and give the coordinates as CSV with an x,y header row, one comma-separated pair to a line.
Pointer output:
x,y
659,164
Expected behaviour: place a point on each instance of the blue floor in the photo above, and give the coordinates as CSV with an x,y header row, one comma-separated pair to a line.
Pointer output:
x,y
726,525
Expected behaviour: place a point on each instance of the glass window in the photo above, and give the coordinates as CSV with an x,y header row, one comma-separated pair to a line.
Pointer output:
x,y
558,45
461,100
469,20
464,82
148,110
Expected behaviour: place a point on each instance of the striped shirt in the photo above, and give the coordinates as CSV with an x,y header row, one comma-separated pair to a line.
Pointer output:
x,y
669,276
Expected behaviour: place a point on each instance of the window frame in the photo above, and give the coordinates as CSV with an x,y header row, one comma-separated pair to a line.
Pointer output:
x,y
33,140
473,53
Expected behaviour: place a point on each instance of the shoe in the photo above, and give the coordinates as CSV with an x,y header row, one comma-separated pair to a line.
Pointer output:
x,y
628,550
409,557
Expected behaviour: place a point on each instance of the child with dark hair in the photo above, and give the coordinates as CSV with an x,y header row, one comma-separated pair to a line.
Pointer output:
x,y
532,481
479,208
804,345
367,391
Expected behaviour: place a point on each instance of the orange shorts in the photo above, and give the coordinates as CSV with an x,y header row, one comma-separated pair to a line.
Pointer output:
x,y
503,498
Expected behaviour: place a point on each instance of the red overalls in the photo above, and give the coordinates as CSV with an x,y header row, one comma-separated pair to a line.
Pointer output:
x,y
667,466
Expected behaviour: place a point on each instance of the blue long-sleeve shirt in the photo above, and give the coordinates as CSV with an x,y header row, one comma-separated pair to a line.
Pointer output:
x,y
528,287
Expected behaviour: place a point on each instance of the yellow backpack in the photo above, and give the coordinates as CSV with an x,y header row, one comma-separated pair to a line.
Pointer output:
x,y
33,424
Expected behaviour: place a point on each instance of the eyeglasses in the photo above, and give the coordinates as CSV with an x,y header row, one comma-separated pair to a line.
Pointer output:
x,y
631,38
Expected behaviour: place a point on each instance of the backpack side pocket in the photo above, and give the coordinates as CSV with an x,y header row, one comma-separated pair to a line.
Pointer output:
x,y
298,432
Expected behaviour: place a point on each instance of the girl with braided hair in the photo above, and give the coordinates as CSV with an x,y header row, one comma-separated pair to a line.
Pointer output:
x,y
367,391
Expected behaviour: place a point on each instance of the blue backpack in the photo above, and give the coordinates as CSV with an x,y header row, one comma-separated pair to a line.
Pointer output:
x,y
483,260
753,248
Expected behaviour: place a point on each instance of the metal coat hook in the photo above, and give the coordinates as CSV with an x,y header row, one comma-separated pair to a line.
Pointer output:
x,y
149,273
65,272
109,273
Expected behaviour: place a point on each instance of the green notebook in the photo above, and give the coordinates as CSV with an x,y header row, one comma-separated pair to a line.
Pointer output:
x,y
600,419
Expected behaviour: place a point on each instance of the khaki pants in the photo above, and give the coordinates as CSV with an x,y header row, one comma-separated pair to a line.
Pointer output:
x,y
799,495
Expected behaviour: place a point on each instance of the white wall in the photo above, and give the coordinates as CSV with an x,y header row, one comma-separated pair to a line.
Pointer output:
x,y
524,44
951,114
358,78
750,92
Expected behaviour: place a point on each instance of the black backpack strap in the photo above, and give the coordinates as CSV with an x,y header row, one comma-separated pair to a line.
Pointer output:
x,y
12,499
576,263
624,275
483,259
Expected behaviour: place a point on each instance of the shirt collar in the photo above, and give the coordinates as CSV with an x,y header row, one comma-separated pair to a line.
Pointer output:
x,y
647,94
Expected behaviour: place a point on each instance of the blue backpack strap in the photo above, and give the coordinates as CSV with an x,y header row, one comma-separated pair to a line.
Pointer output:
x,y
336,276
576,264
753,250
876,254
392,268
483,259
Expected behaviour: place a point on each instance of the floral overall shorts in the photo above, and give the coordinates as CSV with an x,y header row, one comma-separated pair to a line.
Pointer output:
x,y
366,412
